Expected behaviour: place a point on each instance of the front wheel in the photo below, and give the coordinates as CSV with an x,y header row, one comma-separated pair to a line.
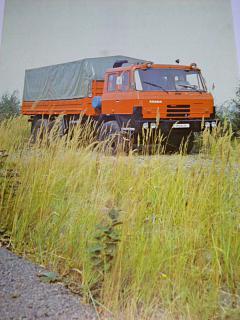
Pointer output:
x,y
114,140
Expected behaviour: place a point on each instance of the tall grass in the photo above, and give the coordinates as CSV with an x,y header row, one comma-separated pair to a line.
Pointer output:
x,y
178,254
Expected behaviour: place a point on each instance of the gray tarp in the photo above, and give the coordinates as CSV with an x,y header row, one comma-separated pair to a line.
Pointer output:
x,y
67,80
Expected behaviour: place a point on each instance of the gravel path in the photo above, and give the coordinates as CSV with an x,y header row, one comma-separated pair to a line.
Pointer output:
x,y
24,296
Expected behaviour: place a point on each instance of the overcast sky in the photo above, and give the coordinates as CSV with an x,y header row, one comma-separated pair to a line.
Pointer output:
x,y
236,21
1,17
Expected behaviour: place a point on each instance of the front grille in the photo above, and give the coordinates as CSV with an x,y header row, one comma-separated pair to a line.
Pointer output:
x,y
179,111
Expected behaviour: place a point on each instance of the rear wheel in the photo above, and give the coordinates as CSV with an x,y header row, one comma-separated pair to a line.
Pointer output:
x,y
36,129
39,128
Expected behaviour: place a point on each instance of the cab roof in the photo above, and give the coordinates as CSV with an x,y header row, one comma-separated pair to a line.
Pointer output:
x,y
155,66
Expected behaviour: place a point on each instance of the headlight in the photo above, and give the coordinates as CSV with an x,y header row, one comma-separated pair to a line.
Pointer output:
x,y
207,124
145,125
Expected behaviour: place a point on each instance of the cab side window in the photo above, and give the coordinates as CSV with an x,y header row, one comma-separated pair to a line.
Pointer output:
x,y
112,78
125,81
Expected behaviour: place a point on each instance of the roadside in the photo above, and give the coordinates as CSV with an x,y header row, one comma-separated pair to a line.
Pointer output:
x,y
24,296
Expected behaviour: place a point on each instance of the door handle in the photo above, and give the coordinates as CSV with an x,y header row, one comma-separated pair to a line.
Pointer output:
x,y
117,100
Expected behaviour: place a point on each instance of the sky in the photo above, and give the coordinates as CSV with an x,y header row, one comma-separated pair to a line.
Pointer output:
x,y
236,22
1,17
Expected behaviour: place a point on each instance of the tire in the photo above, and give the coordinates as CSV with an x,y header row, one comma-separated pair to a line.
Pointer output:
x,y
114,139
40,128
35,130
33,123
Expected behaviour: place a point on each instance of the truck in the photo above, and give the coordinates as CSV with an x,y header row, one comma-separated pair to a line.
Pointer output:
x,y
123,96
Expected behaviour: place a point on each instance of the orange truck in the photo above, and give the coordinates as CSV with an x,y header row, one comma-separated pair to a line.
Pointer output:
x,y
122,94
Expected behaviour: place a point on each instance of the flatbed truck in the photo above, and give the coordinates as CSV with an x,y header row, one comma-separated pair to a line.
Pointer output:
x,y
127,95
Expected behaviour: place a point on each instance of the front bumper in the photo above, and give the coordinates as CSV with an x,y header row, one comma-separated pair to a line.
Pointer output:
x,y
194,125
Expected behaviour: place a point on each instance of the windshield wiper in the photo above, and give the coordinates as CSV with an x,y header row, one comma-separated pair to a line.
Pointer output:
x,y
189,86
155,85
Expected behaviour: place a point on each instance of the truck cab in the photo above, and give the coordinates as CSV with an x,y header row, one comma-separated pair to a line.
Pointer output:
x,y
168,93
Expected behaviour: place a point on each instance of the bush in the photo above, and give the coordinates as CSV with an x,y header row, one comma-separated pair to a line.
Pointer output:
x,y
230,110
236,102
9,105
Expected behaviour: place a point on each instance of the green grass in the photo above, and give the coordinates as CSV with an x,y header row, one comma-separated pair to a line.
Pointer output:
x,y
179,251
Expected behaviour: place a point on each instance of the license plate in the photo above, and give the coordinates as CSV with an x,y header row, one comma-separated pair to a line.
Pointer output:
x,y
181,125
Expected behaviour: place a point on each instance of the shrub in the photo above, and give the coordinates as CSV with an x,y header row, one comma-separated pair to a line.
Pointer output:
x,y
9,105
230,110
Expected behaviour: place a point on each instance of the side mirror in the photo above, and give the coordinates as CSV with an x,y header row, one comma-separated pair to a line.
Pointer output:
x,y
213,86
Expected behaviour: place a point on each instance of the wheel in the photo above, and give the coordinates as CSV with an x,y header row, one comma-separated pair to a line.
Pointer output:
x,y
33,123
35,130
115,140
39,128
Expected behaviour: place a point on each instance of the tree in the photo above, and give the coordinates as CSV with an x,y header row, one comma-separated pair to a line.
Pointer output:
x,y
230,110
9,105
236,102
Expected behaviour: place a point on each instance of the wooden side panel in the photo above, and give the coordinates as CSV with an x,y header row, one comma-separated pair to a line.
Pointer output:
x,y
72,106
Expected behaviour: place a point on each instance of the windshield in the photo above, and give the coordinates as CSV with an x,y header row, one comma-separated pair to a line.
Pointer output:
x,y
169,80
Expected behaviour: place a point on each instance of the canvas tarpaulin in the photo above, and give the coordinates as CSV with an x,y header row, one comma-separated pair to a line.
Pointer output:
x,y
67,80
